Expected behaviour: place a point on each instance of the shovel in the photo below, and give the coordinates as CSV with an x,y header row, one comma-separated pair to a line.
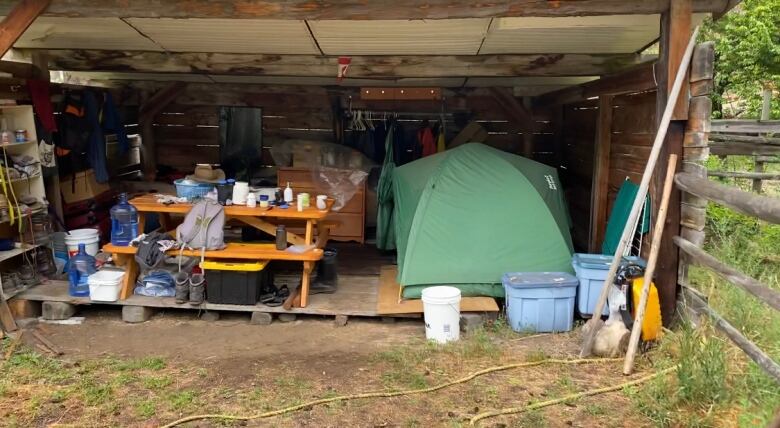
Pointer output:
x,y
592,327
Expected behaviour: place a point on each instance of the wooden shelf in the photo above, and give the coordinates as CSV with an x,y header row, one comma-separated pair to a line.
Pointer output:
x,y
5,255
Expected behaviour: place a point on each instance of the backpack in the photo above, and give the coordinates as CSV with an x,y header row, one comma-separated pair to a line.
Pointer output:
x,y
203,226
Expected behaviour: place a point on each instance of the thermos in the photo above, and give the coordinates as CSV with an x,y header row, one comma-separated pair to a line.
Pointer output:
x,y
281,237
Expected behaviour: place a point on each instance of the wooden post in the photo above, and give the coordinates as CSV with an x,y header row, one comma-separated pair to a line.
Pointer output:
x,y
600,184
18,20
528,134
766,113
675,33
695,147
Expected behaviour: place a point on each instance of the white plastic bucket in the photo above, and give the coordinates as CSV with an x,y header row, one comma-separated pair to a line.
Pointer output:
x,y
89,237
441,308
104,285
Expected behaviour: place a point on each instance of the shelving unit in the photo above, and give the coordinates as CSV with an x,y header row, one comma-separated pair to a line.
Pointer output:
x,y
21,117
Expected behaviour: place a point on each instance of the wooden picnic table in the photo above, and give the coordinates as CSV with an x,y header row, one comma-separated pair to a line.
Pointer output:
x,y
256,217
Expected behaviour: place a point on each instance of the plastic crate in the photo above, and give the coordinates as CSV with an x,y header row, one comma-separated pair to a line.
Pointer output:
x,y
540,301
235,283
592,270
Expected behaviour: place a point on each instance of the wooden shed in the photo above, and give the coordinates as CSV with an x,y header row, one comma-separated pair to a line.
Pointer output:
x,y
578,85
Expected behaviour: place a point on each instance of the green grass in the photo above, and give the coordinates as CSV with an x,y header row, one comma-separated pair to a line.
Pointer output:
x,y
181,400
716,384
156,382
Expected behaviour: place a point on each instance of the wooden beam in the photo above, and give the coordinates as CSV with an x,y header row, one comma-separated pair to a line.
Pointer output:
x,y
675,32
744,149
754,352
752,139
762,207
746,126
748,175
635,79
761,291
360,67
17,20
359,9
600,185
514,110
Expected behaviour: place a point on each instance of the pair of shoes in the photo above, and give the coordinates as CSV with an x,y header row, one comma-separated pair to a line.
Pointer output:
x,y
276,297
11,282
190,288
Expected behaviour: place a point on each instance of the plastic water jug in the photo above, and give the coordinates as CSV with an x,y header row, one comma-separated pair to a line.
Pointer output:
x,y
124,222
80,267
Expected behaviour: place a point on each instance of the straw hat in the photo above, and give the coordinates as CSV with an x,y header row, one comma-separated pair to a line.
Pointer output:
x,y
205,172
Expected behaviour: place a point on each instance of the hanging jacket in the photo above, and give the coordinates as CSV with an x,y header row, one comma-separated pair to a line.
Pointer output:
x,y
426,142
96,151
112,123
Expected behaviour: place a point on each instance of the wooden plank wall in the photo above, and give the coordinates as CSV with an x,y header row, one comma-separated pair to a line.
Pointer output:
x,y
576,170
186,132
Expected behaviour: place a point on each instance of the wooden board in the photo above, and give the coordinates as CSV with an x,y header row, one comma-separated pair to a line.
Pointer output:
x,y
234,250
356,295
148,203
388,301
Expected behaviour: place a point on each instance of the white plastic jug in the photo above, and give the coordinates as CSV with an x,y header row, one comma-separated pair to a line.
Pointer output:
x,y
441,309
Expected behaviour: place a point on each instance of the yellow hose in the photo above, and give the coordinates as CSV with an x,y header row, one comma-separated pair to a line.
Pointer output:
x,y
385,394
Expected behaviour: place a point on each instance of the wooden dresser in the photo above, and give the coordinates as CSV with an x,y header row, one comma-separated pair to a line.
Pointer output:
x,y
351,217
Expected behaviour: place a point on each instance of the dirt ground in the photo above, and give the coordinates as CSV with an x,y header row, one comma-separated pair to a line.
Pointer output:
x,y
144,375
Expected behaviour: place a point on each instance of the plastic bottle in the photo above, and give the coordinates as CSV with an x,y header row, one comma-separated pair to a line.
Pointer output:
x,y
288,194
81,266
6,136
251,200
124,222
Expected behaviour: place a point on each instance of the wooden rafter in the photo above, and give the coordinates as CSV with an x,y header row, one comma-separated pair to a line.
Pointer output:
x,y
361,9
17,20
361,66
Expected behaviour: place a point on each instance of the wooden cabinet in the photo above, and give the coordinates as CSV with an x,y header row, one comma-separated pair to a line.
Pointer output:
x,y
351,217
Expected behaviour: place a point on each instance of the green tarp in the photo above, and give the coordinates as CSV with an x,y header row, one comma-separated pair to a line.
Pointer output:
x,y
385,234
466,216
619,216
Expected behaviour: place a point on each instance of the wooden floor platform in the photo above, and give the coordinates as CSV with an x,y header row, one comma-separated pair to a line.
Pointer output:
x,y
356,296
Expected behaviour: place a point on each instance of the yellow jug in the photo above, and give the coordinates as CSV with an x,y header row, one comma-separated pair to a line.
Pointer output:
x,y
651,325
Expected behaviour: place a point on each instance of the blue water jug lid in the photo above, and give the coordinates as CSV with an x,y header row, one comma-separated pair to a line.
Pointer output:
x,y
539,279
222,182
231,181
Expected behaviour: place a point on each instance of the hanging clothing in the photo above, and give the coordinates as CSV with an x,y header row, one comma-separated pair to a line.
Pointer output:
x,y
41,100
385,232
96,151
112,123
426,142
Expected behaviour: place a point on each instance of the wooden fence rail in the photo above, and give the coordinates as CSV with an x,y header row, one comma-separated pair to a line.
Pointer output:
x,y
746,126
698,256
762,207
748,175
755,353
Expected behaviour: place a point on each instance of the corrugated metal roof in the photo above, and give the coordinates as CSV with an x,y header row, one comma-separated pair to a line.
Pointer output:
x,y
83,33
588,34
269,36
393,37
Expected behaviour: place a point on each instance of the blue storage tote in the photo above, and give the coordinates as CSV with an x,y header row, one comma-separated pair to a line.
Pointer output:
x,y
592,270
540,301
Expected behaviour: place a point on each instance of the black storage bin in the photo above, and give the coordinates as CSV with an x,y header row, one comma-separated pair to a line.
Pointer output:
x,y
224,284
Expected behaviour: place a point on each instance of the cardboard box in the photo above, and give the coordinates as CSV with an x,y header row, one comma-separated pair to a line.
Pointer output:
x,y
81,187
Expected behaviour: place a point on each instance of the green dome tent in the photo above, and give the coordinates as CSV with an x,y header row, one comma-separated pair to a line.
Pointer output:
x,y
466,216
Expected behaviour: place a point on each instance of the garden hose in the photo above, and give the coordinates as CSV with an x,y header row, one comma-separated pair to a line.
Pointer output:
x,y
15,203
388,394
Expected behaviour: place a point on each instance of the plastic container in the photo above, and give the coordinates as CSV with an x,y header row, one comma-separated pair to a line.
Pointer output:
x,y
104,285
224,192
124,222
191,190
540,302
281,237
81,266
236,283
240,192
89,237
592,270
441,309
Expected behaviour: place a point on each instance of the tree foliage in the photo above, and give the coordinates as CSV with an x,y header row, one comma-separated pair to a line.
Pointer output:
x,y
747,49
